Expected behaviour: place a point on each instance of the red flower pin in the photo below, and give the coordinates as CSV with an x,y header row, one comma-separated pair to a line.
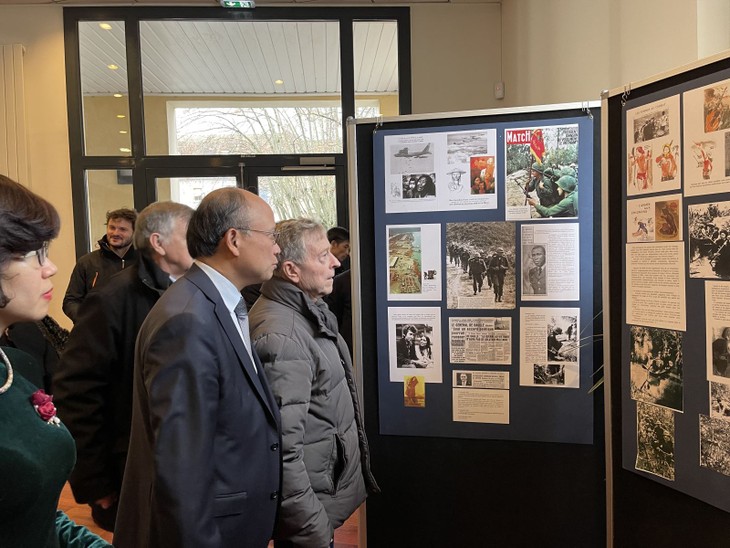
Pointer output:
x,y
43,404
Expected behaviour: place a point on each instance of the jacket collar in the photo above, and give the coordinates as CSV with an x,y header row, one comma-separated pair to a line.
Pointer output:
x,y
152,275
290,295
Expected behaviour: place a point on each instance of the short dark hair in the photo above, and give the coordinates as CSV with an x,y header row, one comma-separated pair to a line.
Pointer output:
x,y
338,234
219,210
123,213
26,222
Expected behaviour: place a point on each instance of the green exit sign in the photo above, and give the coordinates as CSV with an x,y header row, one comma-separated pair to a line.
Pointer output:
x,y
248,4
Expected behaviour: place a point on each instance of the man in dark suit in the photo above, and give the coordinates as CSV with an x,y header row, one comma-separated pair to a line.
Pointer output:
x,y
204,465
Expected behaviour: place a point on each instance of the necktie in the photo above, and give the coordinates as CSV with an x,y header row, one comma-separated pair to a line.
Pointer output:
x,y
241,313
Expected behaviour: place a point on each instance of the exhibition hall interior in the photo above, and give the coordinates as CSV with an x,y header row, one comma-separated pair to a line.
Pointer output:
x,y
519,367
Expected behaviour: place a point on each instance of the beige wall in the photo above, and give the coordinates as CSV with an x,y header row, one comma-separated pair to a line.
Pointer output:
x,y
553,51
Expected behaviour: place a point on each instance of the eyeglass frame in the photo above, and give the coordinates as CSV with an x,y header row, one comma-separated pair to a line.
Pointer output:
x,y
41,254
272,234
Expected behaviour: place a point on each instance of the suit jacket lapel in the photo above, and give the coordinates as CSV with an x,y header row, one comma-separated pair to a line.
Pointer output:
x,y
201,279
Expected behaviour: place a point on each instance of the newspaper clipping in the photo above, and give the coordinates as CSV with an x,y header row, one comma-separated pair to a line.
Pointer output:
x,y
550,262
550,347
415,343
653,155
441,171
414,269
655,285
481,396
717,321
541,172
709,245
654,219
707,139
480,340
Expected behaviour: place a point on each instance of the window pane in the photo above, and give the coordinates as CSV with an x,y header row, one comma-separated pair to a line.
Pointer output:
x,y
292,196
375,46
241,87
106,190
103,63
189,190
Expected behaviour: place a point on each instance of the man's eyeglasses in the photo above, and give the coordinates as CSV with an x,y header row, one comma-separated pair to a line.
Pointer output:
x,y
272,234
41,254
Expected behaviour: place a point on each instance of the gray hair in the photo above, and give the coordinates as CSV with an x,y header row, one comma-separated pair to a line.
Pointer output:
x,y
220,210
159,217
293,235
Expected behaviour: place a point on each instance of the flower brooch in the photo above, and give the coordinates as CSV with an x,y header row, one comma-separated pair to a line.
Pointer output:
x,y
43,404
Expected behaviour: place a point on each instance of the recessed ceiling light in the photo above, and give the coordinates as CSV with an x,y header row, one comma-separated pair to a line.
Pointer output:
x,y
105,26
121,116
125,149
117,95
278,82
112,67
123,131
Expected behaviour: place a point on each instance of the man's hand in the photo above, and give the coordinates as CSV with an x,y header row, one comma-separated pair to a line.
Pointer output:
x,y
107,501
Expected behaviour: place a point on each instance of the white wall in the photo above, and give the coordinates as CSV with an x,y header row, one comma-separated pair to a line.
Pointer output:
x,y
40,30
454,56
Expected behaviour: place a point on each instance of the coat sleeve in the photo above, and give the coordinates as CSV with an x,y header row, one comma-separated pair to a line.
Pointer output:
x,y
71,535
181,378
289,370
82,387
75,292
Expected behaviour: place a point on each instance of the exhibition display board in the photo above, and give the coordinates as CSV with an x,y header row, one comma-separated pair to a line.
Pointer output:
x,y
477,286
667,183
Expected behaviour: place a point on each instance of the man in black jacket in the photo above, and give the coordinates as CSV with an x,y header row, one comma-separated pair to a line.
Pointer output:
x,y
93,385
115,252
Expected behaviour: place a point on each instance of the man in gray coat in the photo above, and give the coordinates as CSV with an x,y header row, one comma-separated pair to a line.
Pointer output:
x,y
326,471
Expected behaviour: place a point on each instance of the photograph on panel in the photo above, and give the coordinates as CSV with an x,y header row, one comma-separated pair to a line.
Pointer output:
x,y
480,340
414,269
656,367
414,391
653,156
550,347
655,440
480,396
709,245
480,272
550,262
472,169
717,331
654,219
415,343
707,139
719,401
541,169
715,444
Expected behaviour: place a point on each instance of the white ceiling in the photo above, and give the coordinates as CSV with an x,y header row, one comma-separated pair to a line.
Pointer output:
x,y
239,57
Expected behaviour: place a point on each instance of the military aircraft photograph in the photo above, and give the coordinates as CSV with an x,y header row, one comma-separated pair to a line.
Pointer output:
x,y
404,153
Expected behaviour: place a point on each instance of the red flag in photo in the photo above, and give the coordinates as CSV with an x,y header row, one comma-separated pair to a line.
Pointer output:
x,y
537,145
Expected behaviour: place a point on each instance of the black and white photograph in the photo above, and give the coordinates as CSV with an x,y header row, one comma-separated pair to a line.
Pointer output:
x,y
534,270
481,265
655,440
651,126
415,343
656,367
419,185
719,401
563,339
463,379
721,351
553,373
709,245
462,145
715,444
412,158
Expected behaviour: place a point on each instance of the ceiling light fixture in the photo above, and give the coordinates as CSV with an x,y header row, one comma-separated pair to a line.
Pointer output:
x,y
117,95
105,26
125,149
121,116
112,67
278,82
123,131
